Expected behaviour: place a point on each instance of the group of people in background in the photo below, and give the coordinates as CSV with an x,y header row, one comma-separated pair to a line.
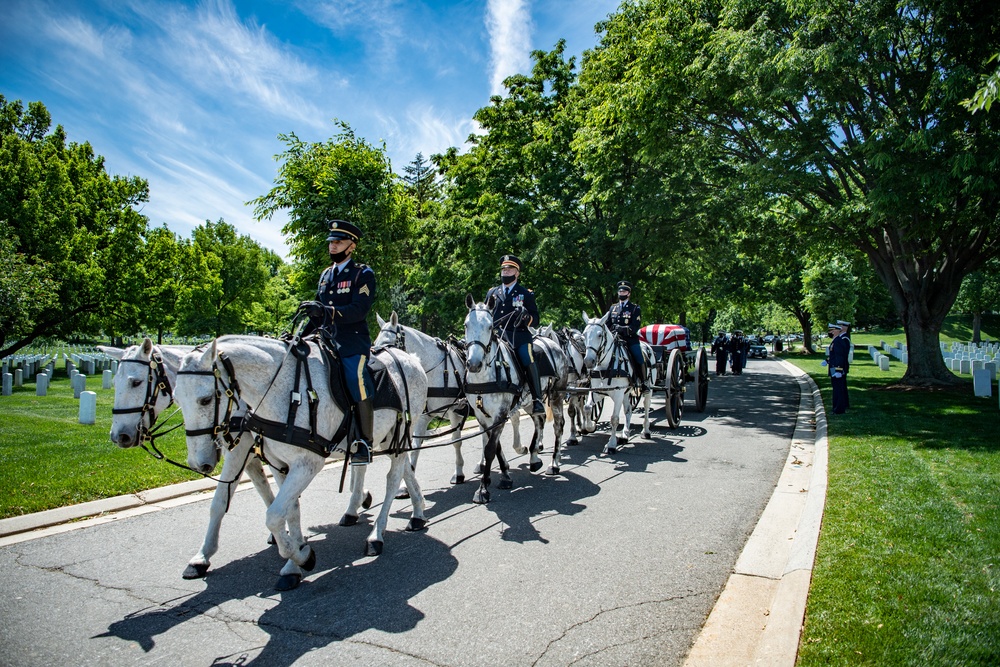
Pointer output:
x,y
734,349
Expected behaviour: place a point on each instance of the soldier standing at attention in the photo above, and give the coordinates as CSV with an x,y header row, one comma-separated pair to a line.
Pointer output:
x,y
838,363
343,299
514,310
625,319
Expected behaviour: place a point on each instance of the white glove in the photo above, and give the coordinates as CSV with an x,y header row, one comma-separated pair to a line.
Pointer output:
x,y
838,375
823,363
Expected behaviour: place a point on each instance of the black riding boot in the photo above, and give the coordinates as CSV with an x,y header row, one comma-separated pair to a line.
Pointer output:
x,y
640,375
535,384
361,449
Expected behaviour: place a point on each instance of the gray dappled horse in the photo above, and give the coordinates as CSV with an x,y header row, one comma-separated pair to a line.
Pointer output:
x,y
265,371
610,368
579,404
445,392
495,390
141,368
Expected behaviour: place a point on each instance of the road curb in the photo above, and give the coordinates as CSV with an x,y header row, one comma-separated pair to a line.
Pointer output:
x,y
758,617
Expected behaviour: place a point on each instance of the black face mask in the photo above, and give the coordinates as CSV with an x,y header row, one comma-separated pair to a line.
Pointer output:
x,y
623,297
507,280
338,257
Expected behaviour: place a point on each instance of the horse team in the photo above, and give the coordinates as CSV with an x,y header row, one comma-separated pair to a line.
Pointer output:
x,y
296,419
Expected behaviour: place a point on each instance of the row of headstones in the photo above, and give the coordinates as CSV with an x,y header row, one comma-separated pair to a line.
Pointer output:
x,y
27,364
78,382
882,360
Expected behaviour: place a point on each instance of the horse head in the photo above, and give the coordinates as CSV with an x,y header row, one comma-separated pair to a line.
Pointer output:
x,y
142,392
597,339
197,398
390,333
479,335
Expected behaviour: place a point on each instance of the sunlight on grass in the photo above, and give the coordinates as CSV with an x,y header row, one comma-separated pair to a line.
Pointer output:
x,y
906,569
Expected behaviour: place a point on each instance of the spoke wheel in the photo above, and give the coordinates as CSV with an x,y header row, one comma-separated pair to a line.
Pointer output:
x,y
700,380
674,384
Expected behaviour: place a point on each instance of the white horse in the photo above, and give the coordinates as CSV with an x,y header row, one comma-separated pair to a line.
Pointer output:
x,y
445,392
610,368
578,403
141,369
269,378
495,390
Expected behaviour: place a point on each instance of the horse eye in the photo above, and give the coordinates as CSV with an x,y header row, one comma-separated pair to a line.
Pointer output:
x,y
136,383
207,400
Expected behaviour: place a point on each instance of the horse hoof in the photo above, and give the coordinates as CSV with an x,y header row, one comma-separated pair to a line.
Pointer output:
x,y
348,520
271,540
622,439
647,435
572,442
367,502
287,582
416,524
609,450
481,497
552,471
535,466
458,479
310,562
195,571
522,450
505,484
373,548
402,494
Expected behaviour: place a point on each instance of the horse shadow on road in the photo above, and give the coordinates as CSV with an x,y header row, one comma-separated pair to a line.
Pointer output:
x,y
353,595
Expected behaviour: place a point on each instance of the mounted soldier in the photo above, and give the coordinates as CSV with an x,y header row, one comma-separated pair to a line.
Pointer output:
x,y
343,299
625,320
514,310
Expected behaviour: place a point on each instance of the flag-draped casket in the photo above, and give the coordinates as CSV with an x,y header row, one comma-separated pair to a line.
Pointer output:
x,y
670,336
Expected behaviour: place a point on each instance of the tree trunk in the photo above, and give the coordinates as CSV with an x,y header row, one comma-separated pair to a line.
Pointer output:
x,y
159,335
807,335
977,324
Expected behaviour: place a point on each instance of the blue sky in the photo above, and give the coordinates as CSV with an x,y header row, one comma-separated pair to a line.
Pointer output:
x,y
192,95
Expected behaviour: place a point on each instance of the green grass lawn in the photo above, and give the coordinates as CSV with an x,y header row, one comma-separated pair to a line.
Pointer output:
x,y
48,459
907,569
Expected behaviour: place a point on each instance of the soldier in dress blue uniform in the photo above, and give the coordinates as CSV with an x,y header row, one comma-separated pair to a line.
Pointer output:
x,y
625,320
838,363
514,310
344,297
720,348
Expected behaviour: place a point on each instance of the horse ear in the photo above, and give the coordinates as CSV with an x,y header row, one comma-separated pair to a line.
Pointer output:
x,y
381,322
605,318
213,351
491,302
586,318
147,346
394,319
469,301
113,352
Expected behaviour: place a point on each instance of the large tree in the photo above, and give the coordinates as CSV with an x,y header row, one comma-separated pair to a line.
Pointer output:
x,y
343,178
225,272
72,224
851,110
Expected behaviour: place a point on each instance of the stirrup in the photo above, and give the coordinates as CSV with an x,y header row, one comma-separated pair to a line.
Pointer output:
x,y
537,408
361,453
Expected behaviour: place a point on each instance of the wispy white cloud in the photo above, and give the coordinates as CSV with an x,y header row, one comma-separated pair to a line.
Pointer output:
x,y
379,24
509,25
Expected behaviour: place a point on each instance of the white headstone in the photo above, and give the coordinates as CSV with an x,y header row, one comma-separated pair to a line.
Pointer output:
x,y
79,385
106,379
114,366
982,385
850,355
966,366
991,366
8,384
18,377
883,363
88,407
977,365
906,358
41,384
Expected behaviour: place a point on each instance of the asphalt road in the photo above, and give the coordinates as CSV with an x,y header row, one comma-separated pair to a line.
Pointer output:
x,y
616,562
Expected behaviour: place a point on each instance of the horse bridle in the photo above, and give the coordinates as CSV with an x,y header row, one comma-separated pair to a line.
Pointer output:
x,y
599,352
224,426
157,382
